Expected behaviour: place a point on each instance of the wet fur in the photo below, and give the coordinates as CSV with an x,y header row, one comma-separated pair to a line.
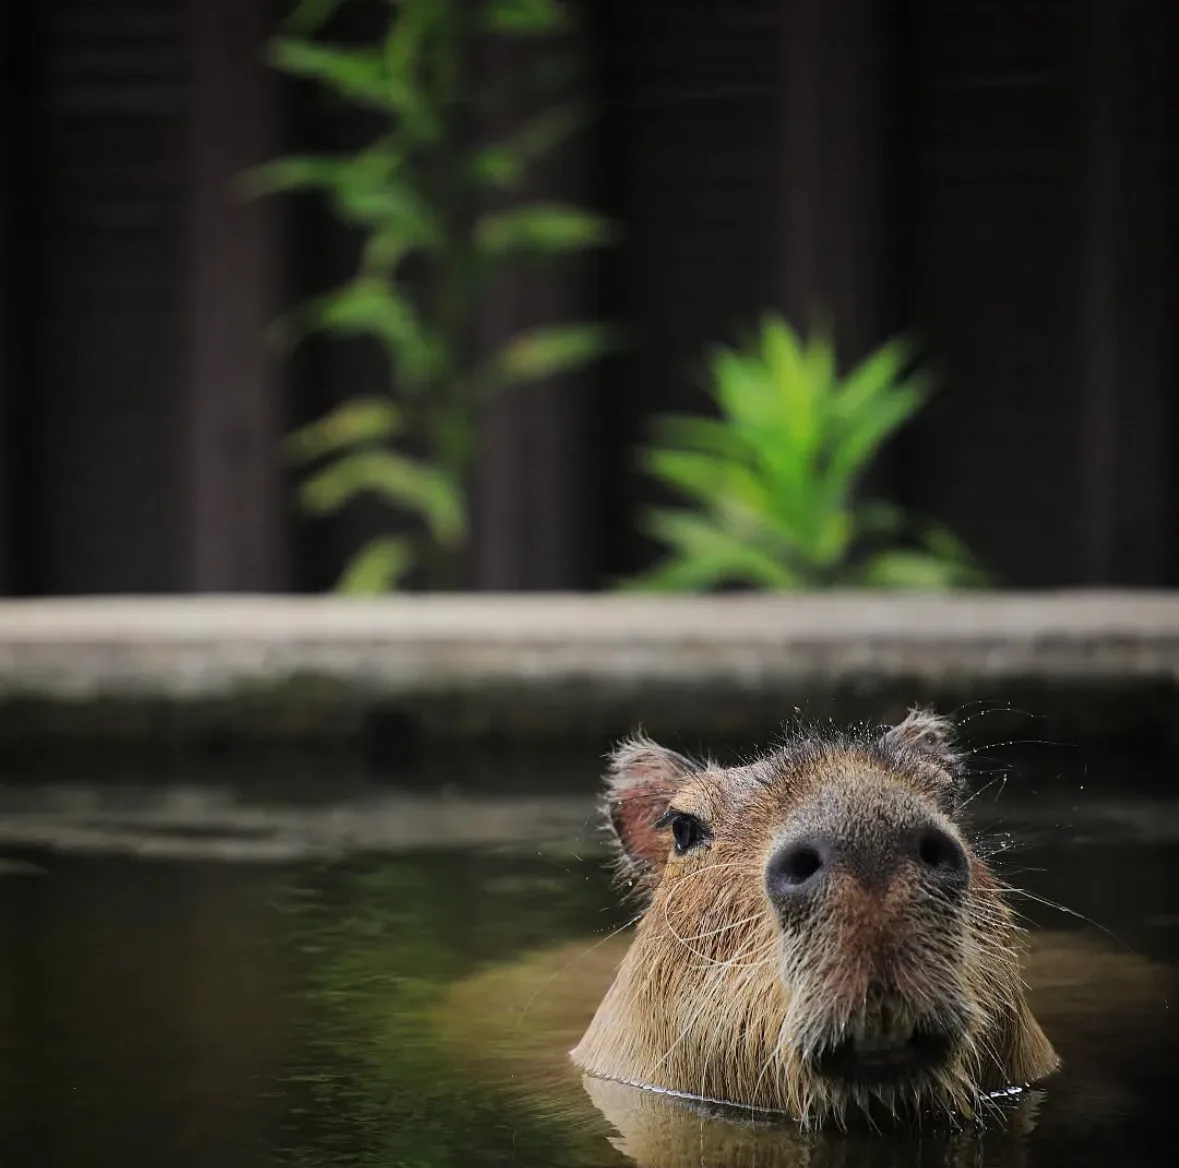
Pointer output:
x,y
715,998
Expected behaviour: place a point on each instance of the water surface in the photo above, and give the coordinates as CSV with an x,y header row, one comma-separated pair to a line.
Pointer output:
x,y
248,971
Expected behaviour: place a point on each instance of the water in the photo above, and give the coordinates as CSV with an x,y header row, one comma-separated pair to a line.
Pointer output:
x,y
255,972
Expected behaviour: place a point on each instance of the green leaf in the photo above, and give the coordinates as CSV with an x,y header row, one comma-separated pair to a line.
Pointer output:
x,y
540,353
942,543
773,481
718,556
371,419
367,189
713,481
378,567
372,307
912,570
799,378
525,17
357,74
833,539
392,206
737,502
875,375
403,481
361,75
753,405
297,172
678,574
383,253
867,432
421,37
504,165
541,227
705,435
877,519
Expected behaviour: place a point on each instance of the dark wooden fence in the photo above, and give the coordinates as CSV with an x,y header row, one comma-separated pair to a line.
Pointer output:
x,y
997,175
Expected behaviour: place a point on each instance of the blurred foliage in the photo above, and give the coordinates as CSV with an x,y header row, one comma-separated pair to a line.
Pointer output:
x,y
379,939
426,193
775,479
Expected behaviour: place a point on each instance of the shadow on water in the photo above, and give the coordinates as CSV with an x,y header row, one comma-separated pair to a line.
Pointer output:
x,y
181,1008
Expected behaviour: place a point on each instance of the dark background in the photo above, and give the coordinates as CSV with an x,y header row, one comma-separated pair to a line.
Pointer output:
x,y
996,175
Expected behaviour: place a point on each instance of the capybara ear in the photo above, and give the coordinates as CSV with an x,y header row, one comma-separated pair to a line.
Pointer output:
x,y
640,783
927,732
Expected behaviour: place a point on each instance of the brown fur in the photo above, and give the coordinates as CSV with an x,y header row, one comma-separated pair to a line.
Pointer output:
x,y
721,996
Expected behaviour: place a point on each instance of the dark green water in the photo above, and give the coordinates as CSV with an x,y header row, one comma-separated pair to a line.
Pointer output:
x,y
224,979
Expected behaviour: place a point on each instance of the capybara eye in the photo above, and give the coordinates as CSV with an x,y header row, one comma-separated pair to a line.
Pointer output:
x,y
687,830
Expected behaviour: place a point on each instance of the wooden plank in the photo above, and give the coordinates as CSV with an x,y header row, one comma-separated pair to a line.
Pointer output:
x,y
235,517
1128,299
534,518
109,118
11,171
838,109
998,254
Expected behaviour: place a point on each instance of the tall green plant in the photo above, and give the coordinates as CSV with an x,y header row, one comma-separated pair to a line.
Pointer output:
x,y
775,479
421,192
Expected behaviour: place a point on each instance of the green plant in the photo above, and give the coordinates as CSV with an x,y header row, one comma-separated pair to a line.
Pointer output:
x,y
441,213
775,479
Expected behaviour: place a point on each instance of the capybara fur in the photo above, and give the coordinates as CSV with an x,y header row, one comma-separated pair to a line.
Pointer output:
x,y
818,934
816,938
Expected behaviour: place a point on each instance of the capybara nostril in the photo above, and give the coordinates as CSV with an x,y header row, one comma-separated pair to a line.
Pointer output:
x,y
798,867
941,855
875,855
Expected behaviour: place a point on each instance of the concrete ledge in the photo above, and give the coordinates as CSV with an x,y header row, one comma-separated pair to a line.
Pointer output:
x,y
300,668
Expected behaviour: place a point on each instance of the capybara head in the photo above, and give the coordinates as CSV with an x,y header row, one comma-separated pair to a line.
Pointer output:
x,y
817,934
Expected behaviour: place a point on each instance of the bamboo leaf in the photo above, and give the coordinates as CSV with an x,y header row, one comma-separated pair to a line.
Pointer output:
x,y
378,567
371,419
402,481
541,227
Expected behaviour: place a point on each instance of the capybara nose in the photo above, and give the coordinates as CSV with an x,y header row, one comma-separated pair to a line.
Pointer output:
x,y
875,855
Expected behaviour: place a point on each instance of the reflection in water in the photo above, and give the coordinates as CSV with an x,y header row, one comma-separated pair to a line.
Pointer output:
x,y
381,943
656,1132
356,1012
